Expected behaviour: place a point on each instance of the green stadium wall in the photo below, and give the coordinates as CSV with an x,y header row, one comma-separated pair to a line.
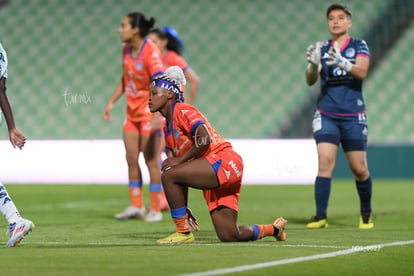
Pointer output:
x,y
65,60
383,162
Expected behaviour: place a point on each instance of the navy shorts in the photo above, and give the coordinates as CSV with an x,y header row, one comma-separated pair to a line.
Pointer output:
x,y
351,132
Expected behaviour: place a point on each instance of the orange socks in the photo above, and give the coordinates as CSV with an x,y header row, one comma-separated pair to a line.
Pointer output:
x,y
262,230
135,193
137,198
181,225
180,218
155,197
155,201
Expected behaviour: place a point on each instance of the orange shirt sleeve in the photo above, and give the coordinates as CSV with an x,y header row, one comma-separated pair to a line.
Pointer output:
x,y
172,59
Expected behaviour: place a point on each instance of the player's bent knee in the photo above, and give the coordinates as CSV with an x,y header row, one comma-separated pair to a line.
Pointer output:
x,y
168,176
228,239
228,236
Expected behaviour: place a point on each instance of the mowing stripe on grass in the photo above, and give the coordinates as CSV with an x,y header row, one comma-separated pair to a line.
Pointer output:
x,y
235,244
260,244
352,250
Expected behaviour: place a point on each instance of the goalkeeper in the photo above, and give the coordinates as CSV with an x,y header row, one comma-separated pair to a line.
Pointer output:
x,y
340,119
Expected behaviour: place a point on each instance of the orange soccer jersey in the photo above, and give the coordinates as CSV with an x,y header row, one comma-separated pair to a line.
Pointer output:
x,y
138,73
171,58
228,165
180,138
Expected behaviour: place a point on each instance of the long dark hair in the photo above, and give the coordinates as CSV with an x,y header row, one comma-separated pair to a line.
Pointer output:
x,y
174,43
138,20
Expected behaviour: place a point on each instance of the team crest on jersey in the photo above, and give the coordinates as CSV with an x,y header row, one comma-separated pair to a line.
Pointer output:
x,y
139,65
183,112
176,134
326,55
350,52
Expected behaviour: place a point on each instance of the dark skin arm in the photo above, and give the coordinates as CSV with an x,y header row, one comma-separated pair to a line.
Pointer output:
x,y
203,140
17,138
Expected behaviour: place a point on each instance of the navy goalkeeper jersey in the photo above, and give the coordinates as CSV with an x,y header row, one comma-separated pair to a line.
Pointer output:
x,y
341,93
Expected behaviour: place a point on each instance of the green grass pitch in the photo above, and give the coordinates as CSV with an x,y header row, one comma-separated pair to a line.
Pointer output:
x,y
76,234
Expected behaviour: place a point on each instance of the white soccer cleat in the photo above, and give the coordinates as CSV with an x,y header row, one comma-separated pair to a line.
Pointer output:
x,y
132,212
19,230
153,216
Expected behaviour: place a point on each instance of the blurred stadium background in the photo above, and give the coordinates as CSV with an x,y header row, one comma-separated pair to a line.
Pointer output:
x,y
65,60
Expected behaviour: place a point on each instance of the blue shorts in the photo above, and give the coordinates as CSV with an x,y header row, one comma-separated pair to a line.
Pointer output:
x,y
351,132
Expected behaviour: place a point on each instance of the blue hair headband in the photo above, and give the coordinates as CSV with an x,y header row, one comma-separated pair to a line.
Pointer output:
x,y
168,85
173,33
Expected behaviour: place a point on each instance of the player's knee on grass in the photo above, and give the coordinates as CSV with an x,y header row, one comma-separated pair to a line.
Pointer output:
x,y
226,236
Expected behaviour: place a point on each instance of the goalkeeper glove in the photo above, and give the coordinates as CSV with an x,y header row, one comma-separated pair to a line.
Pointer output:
x,y
335,58
192,221
313,54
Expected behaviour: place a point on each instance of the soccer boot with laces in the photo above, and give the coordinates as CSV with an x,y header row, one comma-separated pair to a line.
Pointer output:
x,y
19,230
177,238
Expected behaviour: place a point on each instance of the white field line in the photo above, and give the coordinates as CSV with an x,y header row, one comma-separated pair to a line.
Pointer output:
x,y
354,249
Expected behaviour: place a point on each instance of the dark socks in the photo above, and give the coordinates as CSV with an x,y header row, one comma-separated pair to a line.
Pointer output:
x,y
364,189
322,192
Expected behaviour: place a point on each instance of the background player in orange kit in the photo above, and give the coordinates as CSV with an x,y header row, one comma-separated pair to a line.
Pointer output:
x,y
142,129
172,47
198,157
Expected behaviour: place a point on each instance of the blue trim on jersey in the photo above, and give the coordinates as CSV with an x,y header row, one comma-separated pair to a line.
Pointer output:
x,y
139,52
216,165
194,127
153,76
167,132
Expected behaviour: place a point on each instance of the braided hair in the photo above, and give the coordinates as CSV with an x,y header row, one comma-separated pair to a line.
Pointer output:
x,y
172,80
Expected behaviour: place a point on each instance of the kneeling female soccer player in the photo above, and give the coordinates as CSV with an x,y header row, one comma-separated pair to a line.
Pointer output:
x,y
198,157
